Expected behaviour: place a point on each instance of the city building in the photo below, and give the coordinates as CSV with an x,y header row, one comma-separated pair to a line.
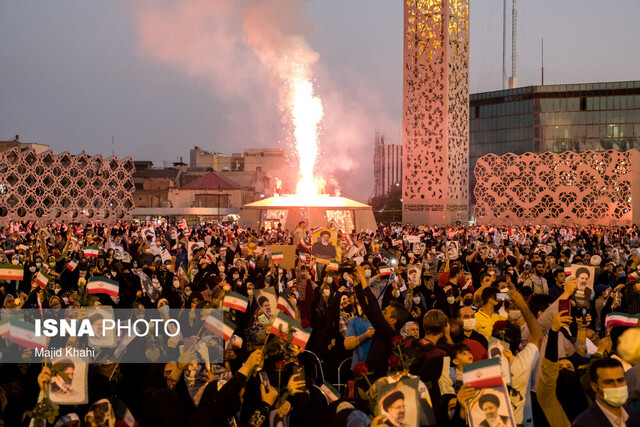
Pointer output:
x,y
435,119
554,118
152,185
23,146
387,165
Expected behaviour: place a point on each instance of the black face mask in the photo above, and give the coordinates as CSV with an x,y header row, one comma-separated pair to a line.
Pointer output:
x,y
348,308
468,301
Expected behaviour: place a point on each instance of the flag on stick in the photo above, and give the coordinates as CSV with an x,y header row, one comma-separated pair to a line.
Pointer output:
x,y
24,334
485,373
91,251
42,278
285,307
235,301
220,325
386,270
290,330
620,319
102,285
11,272
72,264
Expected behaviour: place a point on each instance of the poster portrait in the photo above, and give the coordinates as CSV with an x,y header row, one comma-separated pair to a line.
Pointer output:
x,y
452,249
194,246
102,338
68,384
267,301
399,403
491,406
495,349
324,243
414,273
585,276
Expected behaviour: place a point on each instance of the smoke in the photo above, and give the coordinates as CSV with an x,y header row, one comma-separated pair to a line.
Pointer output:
x,y
248,53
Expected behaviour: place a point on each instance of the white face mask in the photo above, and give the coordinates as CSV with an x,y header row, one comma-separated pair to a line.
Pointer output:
x,y
221,268
615,396
326,292
515,314
416,300
176,284
396,293
367,274
469,324
263,320
451,299
329,280
15,261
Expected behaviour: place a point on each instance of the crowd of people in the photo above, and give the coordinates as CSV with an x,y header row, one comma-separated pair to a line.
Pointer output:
x,y
420,303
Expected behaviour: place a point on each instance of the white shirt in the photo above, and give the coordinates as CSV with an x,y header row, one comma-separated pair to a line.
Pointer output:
x,y
521,369
620,421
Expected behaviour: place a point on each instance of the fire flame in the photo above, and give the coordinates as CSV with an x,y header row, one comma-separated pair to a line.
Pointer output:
x,y
306,112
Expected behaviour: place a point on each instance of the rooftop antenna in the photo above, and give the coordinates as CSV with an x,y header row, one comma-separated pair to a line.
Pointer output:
x,y
113,146
513,81
542,70
504,45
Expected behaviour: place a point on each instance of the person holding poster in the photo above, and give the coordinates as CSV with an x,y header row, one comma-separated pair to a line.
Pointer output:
x,y
323,246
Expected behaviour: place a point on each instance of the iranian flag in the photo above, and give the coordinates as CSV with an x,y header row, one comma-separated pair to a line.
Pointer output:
x,y
634,275
73,239
210,255
42,278
486,373
386,270
24,334
252,263
333,266
5,325
235,301
91,251
223,250
281,326
102,285
11,272
9,251
219,325
277,256
331,393
304,258
304,245
620,319
567,271
72,264
348,239
183,276
285,307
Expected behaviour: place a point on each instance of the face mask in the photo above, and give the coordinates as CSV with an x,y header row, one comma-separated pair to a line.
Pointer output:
x,y
51,264
135,265
303,275
187,293
451,299
164,309
468,301
416,300
194,272
367,274
289,275
221,268
236,276
15,261
326,292
615,396
38,265
113,273
32,269
176,284
329,280
263,320
515,314
469,324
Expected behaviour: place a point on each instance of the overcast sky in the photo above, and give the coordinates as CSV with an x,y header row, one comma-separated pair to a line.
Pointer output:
x,y
162,76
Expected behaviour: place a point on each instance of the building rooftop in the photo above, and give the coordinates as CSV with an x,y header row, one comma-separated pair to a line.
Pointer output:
x,y
169,173
211,181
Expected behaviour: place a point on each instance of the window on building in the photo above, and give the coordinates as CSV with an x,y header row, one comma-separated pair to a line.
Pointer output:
x,y
583,104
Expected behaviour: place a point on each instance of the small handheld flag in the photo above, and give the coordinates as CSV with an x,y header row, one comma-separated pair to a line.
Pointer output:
x,y
220,325
285,307
235,301
42,278
485,373
277,256
72,264
11,272
620,319
102,285
91,251
386,270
